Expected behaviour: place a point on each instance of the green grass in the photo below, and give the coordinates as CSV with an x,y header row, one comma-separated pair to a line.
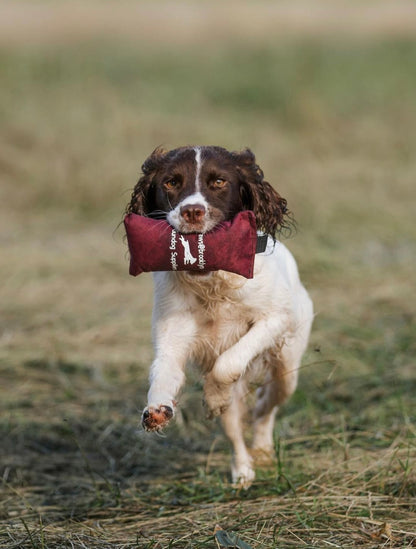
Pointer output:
x,y
333,126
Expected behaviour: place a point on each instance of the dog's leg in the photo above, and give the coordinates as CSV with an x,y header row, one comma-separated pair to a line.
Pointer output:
x,y
241,470
217,396
167,376
263,335
233,362
269,398
283,363
263,446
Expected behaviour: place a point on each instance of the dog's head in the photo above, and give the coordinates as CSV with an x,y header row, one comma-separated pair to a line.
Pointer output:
x,y
196,188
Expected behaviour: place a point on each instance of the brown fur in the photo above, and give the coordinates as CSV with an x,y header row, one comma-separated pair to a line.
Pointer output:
x,y
251,190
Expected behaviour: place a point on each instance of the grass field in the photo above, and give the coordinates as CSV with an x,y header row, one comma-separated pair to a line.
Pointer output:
x,y
333,125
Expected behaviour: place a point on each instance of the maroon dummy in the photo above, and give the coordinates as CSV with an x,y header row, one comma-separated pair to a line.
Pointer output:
x,y
155,245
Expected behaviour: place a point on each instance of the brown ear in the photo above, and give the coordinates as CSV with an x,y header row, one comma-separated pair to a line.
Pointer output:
x,y
142,198
258,195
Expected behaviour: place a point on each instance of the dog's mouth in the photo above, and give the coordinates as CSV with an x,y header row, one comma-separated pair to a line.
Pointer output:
x,y
206,225
199,228
183,226
195,217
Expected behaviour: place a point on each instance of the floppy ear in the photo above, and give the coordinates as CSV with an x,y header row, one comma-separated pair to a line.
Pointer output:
x,y
142,200
258,195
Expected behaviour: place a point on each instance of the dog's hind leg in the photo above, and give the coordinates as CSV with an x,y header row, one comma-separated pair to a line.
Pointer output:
x,y
282,364
279,386
232,422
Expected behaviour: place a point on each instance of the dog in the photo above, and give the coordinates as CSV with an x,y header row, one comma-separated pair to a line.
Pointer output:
x,y
238,331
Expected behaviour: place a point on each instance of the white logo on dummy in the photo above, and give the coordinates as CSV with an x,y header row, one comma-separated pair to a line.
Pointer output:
x,y
174,253
188,257
201,252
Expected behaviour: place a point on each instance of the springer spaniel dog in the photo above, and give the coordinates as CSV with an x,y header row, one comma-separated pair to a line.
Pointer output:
x,y
238,331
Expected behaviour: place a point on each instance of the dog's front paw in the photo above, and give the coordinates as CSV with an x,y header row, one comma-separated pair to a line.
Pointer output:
x,y
217,398
155,418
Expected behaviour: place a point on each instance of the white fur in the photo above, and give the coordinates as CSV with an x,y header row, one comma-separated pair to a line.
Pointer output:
x,y
235,330
175,219
198,169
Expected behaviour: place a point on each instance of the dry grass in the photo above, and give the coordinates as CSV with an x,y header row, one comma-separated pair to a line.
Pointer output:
x,y
343,496
333,125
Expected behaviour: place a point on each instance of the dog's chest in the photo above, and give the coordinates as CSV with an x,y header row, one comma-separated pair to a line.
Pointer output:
x,y
220,313
219,327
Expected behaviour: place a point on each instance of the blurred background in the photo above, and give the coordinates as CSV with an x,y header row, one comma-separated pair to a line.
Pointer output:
x,y
323,93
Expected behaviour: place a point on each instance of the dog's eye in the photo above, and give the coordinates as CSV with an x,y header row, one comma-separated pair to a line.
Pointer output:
x,y
219,183
171,184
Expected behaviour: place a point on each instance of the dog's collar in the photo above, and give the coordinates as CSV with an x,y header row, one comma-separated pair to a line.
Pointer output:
x,y
261,243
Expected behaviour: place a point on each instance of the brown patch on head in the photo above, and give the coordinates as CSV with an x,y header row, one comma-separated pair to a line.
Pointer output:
x,y
167,176
268,206
142,198
229,182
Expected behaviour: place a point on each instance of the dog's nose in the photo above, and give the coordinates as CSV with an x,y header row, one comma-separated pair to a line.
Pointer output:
x,y
193,213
